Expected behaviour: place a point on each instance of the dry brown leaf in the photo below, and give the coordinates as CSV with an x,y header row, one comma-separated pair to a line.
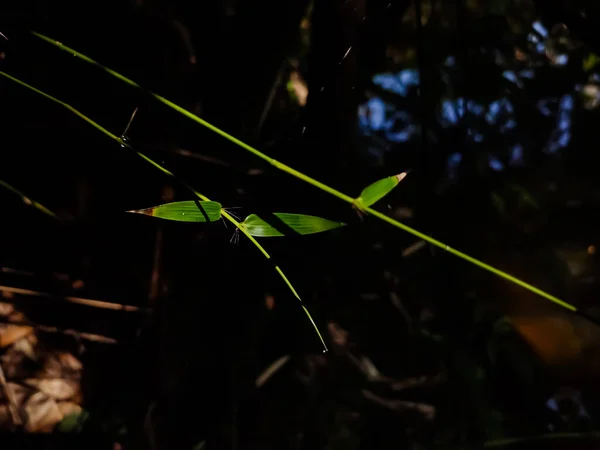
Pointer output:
x,y
53,368
6,309
338,335
69,362
56,388
13,364
20,393
402,213
42,413
269,302
5,417
299,86
13,333
67,408
32,338
24,346
61,365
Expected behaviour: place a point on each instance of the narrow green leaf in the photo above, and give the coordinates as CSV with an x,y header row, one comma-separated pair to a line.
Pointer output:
x,y
186,211
301,223
376,191
27,200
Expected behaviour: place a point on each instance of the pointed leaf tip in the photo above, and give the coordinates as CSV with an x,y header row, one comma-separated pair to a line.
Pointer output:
x,y
401,176
185,211
376,191
300,223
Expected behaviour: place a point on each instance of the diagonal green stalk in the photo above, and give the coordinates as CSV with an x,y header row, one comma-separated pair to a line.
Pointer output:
x,y
28,201
316,183
224,213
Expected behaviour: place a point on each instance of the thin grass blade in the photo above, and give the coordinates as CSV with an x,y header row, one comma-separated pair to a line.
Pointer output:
x,y
186,211
376,191
28,201
300,223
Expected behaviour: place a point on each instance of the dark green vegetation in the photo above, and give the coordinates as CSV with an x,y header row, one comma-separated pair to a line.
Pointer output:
x,y
427,350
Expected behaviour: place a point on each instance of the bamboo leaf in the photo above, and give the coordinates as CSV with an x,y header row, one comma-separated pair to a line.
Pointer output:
x,y
301,223
284,168
223,213
186,211
376,191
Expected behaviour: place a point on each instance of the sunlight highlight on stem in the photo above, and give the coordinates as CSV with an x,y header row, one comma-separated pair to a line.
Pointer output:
x,y
224,213
315,183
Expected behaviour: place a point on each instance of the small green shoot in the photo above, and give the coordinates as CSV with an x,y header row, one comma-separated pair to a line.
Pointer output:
x,y
300,223
186,211
376,191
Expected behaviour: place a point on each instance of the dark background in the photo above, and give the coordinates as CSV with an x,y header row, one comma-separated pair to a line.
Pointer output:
x,y
193,362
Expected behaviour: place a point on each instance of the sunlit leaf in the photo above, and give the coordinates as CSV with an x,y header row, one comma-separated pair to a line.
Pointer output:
x,y
376,191
186,211
300,223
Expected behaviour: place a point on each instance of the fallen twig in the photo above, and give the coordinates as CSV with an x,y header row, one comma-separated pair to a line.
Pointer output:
x,y
68,332
77,300
271,370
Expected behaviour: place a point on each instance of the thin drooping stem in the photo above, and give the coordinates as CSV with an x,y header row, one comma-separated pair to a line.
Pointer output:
x,y
27,200
315,183
224,213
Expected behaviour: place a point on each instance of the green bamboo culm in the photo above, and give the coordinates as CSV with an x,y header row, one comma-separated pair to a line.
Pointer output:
x,y
125,144
318,184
